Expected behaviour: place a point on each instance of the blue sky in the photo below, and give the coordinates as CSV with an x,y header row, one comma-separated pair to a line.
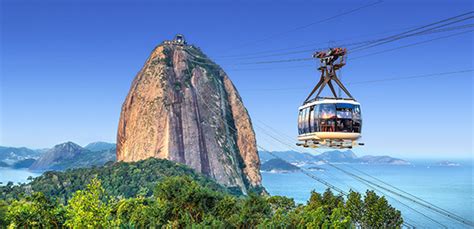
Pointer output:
x,y
66,66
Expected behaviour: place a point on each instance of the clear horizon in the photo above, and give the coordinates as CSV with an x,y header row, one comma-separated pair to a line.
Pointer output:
x,y
67,67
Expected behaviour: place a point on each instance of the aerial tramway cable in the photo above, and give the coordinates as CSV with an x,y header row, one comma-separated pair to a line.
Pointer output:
x,y
426,216
298,49
366,42
404,192
412,44
429,75
392,38
312,176
443,212
425,204
308,58
308,25
421,203
414,32
411,32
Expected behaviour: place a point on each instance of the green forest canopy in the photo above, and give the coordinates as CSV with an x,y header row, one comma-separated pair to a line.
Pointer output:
x,y
102,197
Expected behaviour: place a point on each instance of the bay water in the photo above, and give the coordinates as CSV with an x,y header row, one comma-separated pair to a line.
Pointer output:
x,y
448,187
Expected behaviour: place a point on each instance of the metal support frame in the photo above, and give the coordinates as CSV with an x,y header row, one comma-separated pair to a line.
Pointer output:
x,y
329,66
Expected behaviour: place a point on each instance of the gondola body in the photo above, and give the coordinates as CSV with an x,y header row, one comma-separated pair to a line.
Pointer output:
x,y
333,122
330,122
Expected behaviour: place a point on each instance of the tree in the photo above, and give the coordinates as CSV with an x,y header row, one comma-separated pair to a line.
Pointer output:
x,y
391,217
227,210
49,213
279,219
3,214
35,211
379,214
314,218
339,219
281,202
330,201
88,208
186,200
139,212
23,213
280,208
355,207
176,202
254,210
315,200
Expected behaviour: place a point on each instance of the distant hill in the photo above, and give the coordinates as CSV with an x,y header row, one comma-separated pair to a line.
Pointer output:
x,y
125,179
291,156
10,155
338,156
71,155
100,146
24,164
446,164
278,165
334,156
382,160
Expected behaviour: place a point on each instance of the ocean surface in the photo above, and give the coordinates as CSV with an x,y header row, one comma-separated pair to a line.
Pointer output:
x,y
448,187
15,175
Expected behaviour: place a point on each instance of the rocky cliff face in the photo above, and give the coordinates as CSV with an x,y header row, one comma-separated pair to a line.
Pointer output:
x,y
183,107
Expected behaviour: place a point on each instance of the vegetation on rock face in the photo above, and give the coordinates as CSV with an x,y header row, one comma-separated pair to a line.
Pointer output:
x,y
179,202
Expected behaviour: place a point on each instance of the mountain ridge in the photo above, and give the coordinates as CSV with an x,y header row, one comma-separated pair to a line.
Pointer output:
x,y
10,155
71,155
334,156
99,146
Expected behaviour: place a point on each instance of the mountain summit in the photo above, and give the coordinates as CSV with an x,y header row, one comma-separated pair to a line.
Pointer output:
x,y
183,107
57,154
71,155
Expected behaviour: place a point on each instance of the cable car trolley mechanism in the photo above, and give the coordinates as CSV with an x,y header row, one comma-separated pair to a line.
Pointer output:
x,y
333,122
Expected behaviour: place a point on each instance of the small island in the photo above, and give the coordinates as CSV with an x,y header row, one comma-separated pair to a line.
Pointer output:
x,y
278,166
447,164
315,168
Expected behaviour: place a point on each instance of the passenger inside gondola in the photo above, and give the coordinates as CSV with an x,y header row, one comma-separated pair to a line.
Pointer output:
x,y
344,125
344,113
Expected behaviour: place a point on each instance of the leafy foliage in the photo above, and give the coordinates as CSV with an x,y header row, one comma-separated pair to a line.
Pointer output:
x,y
34,211
89,208
183,201
118,179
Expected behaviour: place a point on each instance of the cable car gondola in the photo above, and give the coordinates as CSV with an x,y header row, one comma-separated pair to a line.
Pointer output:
x,y
333,122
